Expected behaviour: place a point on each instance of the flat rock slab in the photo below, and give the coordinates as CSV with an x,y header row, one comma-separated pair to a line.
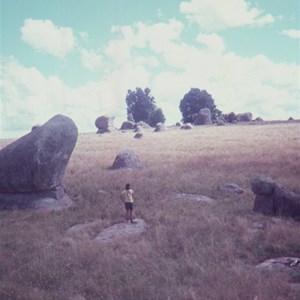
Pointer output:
x,y
287,265
120,231
193,197
232,188
93,231
85,231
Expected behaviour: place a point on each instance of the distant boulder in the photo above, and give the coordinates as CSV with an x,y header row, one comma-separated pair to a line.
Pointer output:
x,y
127,159
187,126
220,122
127,125
244,117
143,124
178,124
138,128
105,124
32,168
274,199
204,117
138,135
258,119
160,127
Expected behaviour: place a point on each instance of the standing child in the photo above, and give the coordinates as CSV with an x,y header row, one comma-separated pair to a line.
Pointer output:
x,y
127,197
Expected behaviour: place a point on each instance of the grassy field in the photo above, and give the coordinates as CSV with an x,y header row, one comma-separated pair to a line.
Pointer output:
x,y
190,250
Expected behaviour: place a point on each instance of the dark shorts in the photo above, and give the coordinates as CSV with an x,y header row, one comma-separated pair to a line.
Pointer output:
x,y
128,206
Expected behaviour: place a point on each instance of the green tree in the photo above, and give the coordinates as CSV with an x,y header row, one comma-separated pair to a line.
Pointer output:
x,y
141,105
156,117
193,101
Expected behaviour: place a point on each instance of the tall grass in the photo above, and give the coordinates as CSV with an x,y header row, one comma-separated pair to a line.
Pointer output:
x,y
190,250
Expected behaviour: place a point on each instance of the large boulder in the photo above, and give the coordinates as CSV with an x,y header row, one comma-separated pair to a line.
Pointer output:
x,y
204,117
244,117
127,159
127,125
274,199
32,168
105,124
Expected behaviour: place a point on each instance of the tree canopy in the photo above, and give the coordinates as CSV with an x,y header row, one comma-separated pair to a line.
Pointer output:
x,y
195,100
141,105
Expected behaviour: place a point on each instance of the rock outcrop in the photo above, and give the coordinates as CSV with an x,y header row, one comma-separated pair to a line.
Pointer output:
x,y
105,124
204,117
127,159
32,168
274,199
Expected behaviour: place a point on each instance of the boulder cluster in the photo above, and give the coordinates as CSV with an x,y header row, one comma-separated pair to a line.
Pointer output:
x,y
274,199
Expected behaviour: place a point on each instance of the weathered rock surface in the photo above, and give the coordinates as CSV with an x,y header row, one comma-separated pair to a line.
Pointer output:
x,y
32,168
262,185
127,125
142,124
94,232
160,127
186,126
204,117
138,135
120,231
105,124
232,188
287,265
127,159
274,199
193,197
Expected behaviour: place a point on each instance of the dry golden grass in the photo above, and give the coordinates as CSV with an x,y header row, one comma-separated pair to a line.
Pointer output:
x,y
190,250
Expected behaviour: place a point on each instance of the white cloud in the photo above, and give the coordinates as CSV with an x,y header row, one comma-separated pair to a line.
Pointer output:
x,y
292,33
31,98
43,35
213,15
90,59
213,42
158,37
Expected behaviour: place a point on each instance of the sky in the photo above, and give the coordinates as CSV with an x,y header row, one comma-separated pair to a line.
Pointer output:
x,y
80,57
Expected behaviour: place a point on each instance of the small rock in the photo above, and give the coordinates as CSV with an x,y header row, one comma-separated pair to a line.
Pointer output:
x,y
138,135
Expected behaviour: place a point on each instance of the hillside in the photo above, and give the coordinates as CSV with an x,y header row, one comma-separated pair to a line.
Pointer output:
x,y
190,250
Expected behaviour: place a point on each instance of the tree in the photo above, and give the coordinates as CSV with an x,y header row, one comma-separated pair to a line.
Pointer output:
x,y
141,105
156,117
193,101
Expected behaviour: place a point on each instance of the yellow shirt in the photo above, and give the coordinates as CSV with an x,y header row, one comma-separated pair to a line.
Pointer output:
x,y
127,195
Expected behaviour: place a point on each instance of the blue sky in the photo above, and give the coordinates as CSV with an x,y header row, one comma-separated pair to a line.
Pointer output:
x,y
79,57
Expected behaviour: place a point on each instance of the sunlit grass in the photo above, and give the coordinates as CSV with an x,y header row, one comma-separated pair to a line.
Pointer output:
x,y
190,250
